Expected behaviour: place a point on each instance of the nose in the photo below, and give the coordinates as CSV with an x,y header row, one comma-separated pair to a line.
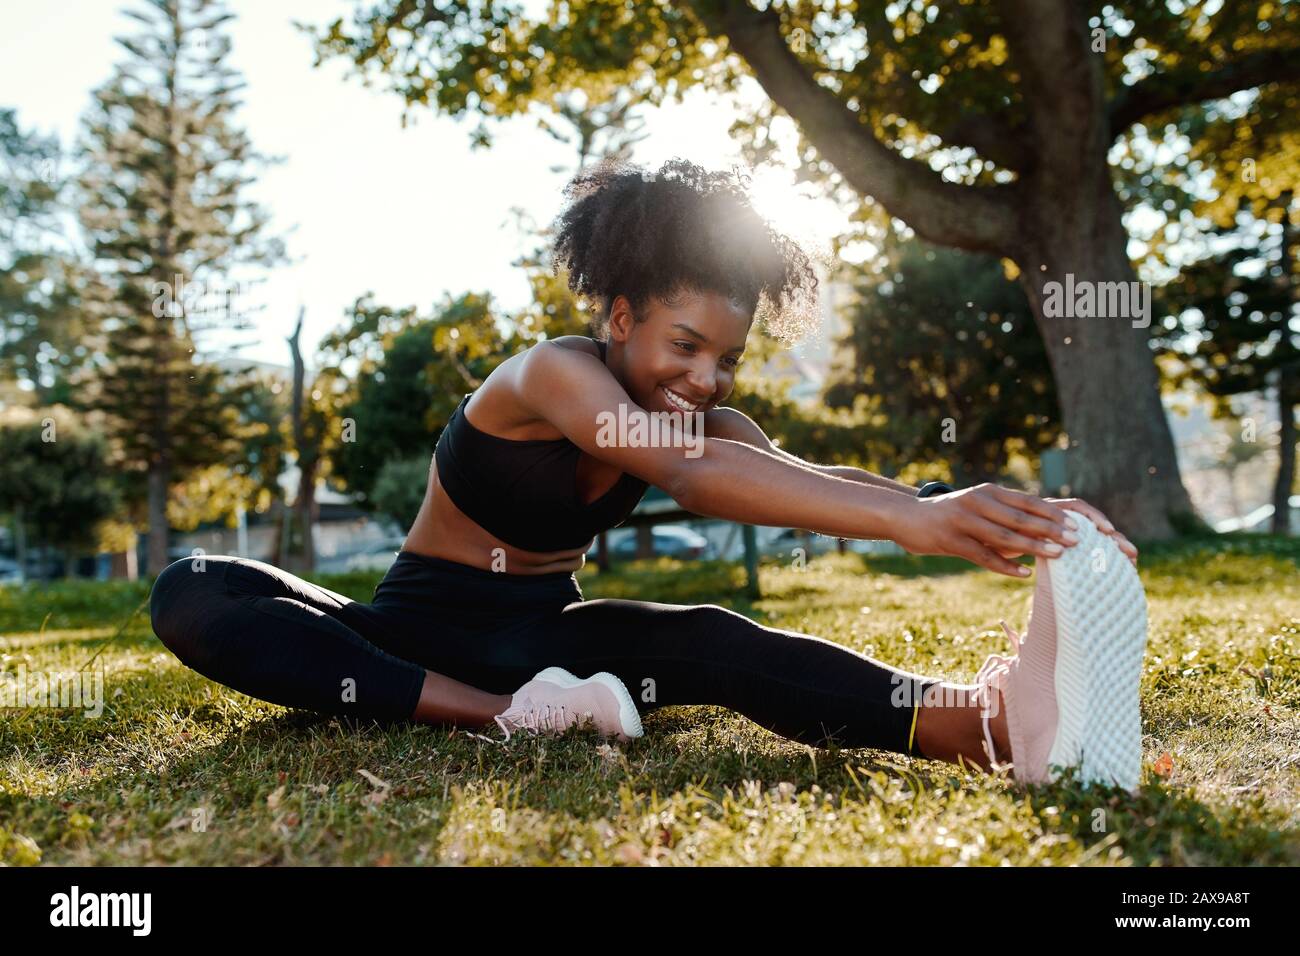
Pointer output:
x,y
703,379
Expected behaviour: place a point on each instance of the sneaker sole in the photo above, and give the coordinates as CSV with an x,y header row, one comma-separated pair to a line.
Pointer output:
x,y
628,716
1101,628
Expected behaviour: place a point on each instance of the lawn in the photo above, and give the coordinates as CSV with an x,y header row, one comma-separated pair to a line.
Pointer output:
x,y
178,770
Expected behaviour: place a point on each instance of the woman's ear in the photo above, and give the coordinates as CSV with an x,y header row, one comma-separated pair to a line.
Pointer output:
x,y
621,320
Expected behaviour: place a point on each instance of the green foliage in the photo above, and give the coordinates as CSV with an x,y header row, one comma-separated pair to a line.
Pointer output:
x,y
820,434
412,374
263,409
1236,331
1238,325
930,81
54,476
486,58
399,489
945,347
43,333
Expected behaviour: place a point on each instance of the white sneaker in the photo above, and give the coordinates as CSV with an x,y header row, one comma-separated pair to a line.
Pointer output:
x,y
555,700
1071,692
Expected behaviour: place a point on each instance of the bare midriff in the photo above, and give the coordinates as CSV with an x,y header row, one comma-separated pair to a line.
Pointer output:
x,y
441,530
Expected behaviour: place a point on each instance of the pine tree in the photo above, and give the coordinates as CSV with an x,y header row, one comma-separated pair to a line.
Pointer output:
x,y
169,225
40,326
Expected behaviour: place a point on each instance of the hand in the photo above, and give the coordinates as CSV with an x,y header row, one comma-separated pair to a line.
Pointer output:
x,y
988,525
1102,522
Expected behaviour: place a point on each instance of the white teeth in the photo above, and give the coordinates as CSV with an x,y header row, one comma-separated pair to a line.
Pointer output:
x,y
679,402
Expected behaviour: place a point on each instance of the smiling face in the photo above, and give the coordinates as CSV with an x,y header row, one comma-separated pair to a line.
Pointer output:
x,y
681,357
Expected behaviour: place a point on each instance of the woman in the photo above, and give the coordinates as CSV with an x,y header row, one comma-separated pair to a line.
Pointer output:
x,y
483,595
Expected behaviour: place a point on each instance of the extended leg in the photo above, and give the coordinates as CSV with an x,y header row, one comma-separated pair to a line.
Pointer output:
x,y
803,687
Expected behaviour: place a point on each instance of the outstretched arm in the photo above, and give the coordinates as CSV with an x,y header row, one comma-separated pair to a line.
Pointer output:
x,y
735,425
984,524
727,479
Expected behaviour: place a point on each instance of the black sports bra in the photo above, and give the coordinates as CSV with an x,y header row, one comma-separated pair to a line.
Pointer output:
x,y
525,491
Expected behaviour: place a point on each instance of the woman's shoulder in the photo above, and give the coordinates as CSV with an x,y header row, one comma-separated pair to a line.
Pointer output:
x,y
547,368
579,343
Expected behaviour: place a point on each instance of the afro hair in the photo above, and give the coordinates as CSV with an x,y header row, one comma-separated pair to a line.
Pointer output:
x,y
681,230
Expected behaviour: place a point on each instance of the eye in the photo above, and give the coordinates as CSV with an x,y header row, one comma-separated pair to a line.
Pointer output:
x,y
690,347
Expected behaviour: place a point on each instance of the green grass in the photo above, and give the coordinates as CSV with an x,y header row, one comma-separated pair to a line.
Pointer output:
x,y
179,770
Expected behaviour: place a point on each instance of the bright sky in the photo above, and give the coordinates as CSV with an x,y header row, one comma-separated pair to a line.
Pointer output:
x,y
406,213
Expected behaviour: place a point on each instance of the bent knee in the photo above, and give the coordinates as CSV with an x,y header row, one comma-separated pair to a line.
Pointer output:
x,y
714,612
181,598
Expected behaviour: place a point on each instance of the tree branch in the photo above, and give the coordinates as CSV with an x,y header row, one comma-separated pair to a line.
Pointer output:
x,y
970,217
991,139
1162,91
1061,82
987,135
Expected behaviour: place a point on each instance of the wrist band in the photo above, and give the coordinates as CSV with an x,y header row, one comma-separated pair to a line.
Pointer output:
x,y
932,488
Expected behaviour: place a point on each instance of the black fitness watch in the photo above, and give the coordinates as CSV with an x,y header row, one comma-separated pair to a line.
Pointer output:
x,y
932,488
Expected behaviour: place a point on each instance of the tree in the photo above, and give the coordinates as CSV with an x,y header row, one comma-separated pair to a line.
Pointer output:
x,y
395,377
165,212
945,345
1240,327
987,128
399,490
606,130
310,419
54,479
43,332
263,405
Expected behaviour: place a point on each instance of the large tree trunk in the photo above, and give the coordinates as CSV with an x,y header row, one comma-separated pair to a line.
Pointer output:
x,y
1121,455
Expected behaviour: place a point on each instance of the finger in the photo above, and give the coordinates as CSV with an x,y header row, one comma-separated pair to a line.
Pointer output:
x,y
1103,524
1033,504
1092,514
1001,538
986,557
1028,524
1126,546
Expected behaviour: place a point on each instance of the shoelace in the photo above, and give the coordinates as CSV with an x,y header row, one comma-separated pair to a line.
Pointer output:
x,y
993,675
533,719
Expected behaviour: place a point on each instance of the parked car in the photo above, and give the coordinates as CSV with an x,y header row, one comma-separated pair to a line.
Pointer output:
x,y
667,540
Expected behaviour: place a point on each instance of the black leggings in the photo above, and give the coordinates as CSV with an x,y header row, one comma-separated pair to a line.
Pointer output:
x,y
271,635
